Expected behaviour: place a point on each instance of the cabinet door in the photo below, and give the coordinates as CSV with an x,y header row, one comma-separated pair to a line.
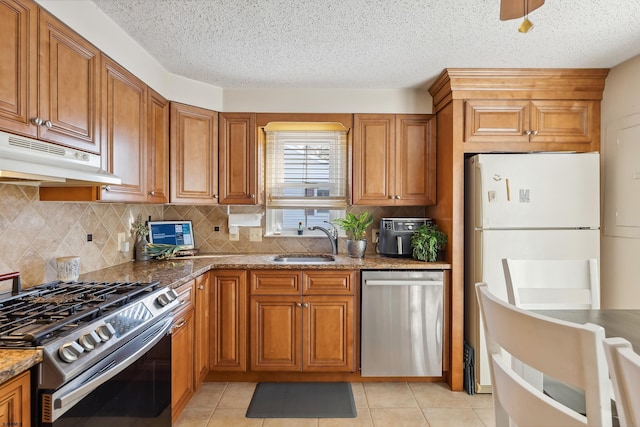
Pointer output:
x,y
157,148
202,341
124,133
276,333
19,59
194,155
228,312
415,160
561,122
496,121
238,165
373,159
328,331
15,401
68,87
182,381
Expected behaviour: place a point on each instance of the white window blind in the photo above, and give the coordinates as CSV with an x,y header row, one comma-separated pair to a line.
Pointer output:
x,y
306,169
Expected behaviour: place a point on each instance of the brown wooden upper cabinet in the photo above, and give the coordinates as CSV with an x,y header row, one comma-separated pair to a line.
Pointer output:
x,y
50,89
193,155
135,143
536,121
394,160
238,165
124,132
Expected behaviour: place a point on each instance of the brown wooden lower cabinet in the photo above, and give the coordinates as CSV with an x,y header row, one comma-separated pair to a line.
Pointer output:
x,y
295,331
228,320
182,351
201,328
15,406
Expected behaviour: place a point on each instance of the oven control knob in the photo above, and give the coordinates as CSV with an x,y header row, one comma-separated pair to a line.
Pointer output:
x,y
105,332
89,341
165,298
69,352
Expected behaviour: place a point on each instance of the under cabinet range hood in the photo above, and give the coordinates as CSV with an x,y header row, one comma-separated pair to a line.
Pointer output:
x,y
29,161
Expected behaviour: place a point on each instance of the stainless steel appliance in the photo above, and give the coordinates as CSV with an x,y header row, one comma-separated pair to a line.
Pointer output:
x,y
394,239
402,323
106,346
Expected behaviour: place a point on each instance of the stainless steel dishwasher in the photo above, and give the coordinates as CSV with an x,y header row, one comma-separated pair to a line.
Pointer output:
x,y
401,324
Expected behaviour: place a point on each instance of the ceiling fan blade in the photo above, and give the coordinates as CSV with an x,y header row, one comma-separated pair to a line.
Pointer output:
x,y
512,9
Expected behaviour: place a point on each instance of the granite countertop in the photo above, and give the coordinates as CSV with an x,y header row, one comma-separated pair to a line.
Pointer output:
x,y
15,362
176,271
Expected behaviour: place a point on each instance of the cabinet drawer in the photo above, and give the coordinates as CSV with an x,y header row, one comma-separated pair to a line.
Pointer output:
x,y
276,282
328,282
185,296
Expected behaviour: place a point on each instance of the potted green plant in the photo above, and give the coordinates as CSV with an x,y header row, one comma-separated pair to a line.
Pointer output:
x,y
427,241
356,229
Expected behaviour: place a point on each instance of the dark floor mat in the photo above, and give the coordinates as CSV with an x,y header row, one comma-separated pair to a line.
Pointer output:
x,y
302,400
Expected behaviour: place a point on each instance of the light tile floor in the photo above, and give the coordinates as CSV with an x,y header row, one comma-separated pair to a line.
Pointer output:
x,y
387,404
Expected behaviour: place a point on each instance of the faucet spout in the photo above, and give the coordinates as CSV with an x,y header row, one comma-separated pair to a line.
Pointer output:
x,y
332,234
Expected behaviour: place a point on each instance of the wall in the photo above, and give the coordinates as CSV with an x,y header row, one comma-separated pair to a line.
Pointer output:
x,y
620,266
34,233
205,218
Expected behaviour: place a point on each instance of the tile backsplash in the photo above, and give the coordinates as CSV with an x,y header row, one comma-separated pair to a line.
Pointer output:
x,y
34,233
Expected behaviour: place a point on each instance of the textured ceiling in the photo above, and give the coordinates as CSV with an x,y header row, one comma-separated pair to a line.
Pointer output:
x,y
369,43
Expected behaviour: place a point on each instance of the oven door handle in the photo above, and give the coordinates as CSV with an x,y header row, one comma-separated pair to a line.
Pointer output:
x,y
110,371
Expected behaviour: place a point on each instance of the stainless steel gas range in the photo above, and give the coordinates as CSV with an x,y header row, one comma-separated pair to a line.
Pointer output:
x,y
106,346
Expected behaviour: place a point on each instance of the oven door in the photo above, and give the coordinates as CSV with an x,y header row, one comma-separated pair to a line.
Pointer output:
x,y
130,387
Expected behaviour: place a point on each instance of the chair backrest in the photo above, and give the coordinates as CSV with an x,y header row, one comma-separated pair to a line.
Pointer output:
x,y
624,369
552,284
568,352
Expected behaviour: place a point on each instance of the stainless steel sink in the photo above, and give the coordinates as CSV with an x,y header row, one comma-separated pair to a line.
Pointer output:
x,y
303,258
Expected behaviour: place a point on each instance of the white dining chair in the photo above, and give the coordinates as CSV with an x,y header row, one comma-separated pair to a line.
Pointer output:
x,y
554,285
570,352
624,370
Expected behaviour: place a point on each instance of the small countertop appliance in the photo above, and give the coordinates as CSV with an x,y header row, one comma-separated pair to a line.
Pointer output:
x,y
394,239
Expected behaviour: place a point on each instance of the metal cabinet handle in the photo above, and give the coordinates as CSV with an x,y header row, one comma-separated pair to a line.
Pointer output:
x,y
106,187
152,193
37,121
253,196
298,304
179,325
215,196
535,132
392,197
398,197
200,287
527,132
48,124
306,304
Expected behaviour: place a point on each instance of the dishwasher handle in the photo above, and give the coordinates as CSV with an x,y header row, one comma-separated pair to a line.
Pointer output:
x,y
403,282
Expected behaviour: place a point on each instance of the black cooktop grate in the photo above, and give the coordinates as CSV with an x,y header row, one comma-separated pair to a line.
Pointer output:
x,y
42,312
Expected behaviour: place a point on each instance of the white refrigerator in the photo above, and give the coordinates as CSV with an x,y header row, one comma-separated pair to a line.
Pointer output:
x,y
524,206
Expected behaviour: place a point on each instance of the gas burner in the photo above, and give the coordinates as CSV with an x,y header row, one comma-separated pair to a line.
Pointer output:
x,y
55,308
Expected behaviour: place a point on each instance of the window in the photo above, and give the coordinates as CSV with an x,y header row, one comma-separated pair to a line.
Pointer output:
x,y
305,176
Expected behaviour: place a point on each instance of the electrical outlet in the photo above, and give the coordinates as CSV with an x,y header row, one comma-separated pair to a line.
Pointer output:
x,y
234,237
255,234
375,235
121,238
